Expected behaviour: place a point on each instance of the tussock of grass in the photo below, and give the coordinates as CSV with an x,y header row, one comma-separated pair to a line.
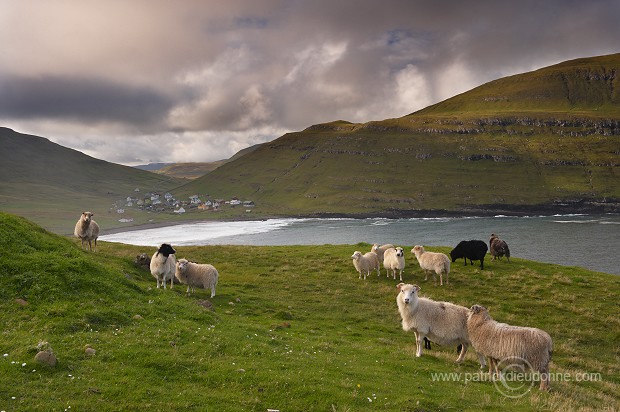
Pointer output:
x,y
292,329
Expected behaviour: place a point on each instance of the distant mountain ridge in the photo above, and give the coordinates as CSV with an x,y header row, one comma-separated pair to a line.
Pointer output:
x,y
52,184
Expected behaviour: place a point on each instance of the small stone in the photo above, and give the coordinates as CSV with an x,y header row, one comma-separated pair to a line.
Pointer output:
x,y
137,317
21,302
90,351
46,358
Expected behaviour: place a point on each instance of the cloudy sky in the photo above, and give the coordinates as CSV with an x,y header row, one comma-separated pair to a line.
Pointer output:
x,y
139,81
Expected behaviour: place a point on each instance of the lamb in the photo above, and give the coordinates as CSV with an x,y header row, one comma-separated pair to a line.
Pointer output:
x,y
163,264
87,230
365,263
439,263
470,249
197,275
441,322
517,345
394,259
380,250
498,247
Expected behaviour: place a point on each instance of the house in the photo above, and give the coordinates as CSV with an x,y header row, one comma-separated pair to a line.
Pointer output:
x,y
248,203
180,210
194,200
168,196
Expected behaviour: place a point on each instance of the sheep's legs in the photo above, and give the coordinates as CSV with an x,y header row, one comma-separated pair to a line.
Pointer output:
x,y
418,344
462,354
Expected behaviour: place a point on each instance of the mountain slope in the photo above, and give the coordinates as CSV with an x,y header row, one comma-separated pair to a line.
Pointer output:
x,y
52,184
531,142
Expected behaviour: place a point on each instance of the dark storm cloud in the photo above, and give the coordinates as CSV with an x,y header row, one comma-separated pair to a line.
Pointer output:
x,y
88,99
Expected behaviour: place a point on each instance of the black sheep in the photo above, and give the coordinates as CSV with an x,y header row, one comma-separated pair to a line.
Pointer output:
x,y
470,249
498,247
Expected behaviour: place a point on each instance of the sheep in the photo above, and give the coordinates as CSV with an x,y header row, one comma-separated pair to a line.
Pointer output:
x,y
498,247
87,230
380,250
439,263
441,322
365,263
394,259
518,345
470,249
201,275
163,264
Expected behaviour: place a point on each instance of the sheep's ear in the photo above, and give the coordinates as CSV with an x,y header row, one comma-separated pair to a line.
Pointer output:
x,y
416,288
400,286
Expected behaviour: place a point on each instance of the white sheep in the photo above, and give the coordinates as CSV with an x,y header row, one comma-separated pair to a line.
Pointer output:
x,y
438,263
365,263
380,250
394,259
87,230
163,265
510,345
197,275
441,322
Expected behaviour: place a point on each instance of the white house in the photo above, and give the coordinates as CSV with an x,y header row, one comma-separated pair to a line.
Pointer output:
x,y
180,210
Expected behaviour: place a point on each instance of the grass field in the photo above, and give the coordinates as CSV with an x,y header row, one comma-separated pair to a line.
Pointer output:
x,y
291,328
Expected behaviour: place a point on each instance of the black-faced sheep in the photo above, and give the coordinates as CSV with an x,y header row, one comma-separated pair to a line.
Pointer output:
x,y
197,275
380,250
163,265
470,249
365,263
498,247
438,263
394,259
441,322
87,230
513,345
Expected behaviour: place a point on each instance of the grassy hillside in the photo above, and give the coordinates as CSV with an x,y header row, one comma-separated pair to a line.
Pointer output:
x,y
292,328
533,141
53,185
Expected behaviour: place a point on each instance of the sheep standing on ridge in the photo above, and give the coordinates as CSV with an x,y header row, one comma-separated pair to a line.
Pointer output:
x,y
87,230
365,263
470,249
498,247
516,345
163,265
438,263
441,322
394,259
197,275
380,250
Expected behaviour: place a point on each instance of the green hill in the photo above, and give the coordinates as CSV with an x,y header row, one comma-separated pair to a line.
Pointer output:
x,y
547,140
53,185
291,328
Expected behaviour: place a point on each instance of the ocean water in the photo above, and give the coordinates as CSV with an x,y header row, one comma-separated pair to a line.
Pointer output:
x,y
589,241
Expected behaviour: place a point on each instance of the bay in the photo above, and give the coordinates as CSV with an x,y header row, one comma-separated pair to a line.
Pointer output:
x,y
589,241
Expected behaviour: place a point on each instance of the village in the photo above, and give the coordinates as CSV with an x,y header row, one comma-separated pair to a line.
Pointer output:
x,y
167,203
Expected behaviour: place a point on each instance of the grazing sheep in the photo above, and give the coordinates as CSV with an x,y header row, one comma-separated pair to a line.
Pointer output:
x,y
438,263
380,250
365,263
163,265
470,249
517,345
498,247
394,259
87,230
197,275
441,322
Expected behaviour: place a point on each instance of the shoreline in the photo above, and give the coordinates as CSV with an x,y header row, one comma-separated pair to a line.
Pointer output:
x,y
508,211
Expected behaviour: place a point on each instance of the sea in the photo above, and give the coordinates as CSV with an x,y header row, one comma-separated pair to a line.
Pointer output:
x,y
588,241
